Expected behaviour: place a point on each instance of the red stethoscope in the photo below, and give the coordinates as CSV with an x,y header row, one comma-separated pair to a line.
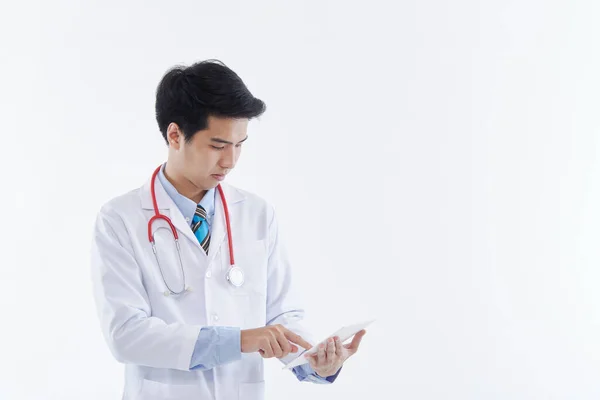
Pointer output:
x,y
235,275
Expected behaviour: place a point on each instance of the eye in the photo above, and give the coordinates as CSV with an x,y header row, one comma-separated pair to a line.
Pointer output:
x,y
217,148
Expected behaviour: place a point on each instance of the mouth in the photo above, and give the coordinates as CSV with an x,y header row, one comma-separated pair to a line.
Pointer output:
x,y
218,177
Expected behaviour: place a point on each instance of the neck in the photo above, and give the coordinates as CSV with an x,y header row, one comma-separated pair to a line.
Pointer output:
x,y
183,185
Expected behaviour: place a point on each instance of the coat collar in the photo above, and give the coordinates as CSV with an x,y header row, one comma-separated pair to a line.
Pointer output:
x,y
166,205
164,202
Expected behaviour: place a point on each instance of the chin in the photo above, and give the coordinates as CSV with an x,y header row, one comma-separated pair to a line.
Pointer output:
x,y
210,183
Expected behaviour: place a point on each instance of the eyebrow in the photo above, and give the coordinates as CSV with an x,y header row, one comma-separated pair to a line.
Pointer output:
x,y
217,140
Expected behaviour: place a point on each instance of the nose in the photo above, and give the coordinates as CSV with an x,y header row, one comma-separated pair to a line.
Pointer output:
x,y
228,158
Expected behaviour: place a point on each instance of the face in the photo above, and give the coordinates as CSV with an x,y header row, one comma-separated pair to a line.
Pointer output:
x,y
210,155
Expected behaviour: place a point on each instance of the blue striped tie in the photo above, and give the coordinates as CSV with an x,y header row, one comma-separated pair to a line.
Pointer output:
x,y
200,227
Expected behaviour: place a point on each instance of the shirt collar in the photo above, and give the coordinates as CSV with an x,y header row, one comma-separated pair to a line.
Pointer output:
x,y
186,206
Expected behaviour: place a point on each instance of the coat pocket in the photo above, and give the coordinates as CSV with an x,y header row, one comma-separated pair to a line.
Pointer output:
x,y
251,258
152,390
252,391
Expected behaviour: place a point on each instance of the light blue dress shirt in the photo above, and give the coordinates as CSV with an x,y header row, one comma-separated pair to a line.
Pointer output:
x,y
221,344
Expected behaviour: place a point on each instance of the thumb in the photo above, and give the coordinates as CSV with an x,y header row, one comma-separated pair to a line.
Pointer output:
x,y
353,346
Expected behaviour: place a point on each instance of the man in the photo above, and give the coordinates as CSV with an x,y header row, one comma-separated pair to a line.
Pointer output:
x,y
185,321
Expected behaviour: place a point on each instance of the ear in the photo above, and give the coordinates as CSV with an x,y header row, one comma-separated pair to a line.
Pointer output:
x,y
174,136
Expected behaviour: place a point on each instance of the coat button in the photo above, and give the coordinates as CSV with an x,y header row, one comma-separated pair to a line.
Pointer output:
x,y
215,317
208,274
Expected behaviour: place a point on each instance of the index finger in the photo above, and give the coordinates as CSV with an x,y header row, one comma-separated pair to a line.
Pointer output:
x,y
295,338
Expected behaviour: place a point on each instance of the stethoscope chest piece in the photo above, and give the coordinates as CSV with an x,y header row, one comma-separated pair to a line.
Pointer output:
x,y
235,276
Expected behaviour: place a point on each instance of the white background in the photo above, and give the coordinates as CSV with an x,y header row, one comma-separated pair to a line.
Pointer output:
x,y
443,156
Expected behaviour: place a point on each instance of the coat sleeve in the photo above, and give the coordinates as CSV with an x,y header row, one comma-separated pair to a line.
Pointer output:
x,y
132,334
284,301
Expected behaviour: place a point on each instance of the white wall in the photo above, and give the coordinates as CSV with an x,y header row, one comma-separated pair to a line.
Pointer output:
x,y
447,153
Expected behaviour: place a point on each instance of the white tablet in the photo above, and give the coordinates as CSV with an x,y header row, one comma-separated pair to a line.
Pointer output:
x,y
344,333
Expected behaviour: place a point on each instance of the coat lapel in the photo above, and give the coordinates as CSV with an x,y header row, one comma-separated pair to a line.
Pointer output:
x,y
219,228
167,207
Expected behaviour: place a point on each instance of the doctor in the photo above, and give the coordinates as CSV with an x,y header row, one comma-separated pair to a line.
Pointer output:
x,y
191,281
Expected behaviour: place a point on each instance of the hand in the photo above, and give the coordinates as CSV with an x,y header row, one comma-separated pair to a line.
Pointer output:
x,y
330,357
271,341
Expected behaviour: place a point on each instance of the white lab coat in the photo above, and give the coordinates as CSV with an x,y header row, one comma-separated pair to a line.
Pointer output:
x,y
154,335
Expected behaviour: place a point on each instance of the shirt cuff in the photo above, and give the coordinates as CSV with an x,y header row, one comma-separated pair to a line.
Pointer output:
x,y
216,345
305,373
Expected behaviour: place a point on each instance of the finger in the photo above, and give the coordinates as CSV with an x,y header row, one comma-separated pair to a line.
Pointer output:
x,y
284,341
267,351
286,347
295,338
321,354
353,346
330,350
277,351
338,347
312,360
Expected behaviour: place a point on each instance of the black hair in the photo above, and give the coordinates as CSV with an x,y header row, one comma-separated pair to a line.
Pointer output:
x,y
187,96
